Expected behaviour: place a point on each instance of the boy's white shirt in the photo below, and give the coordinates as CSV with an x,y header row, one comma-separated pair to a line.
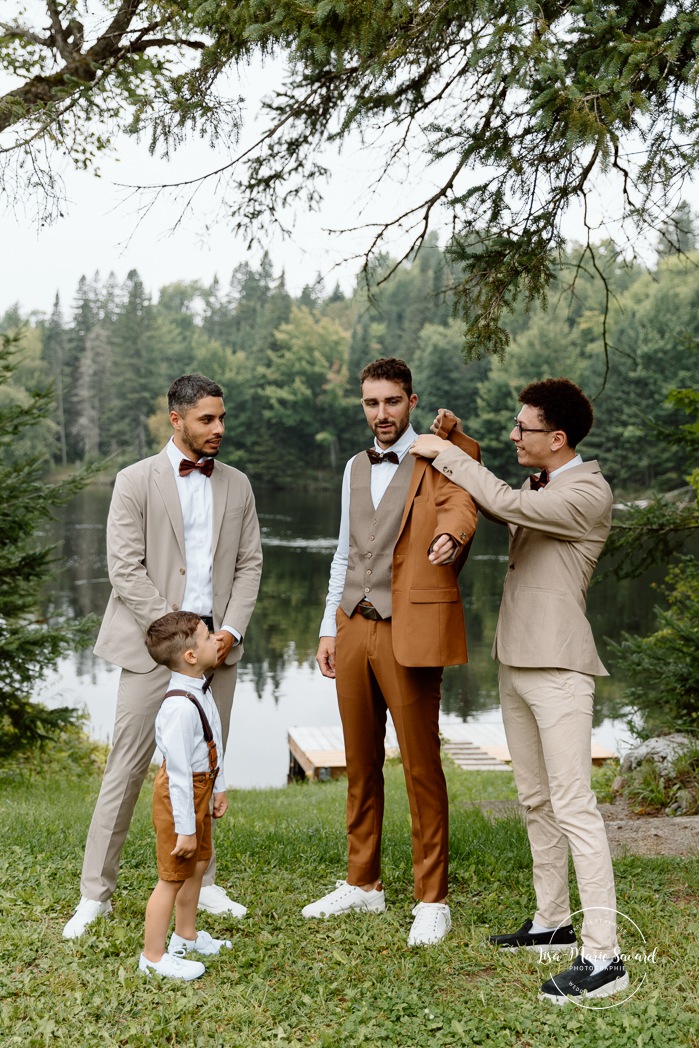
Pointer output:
x,y
180,738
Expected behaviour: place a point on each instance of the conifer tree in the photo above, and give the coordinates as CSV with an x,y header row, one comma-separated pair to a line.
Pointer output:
x,y
30,643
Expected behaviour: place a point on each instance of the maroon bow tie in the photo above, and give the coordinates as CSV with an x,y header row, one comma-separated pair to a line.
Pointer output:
x,y
539,482
205,466
375,457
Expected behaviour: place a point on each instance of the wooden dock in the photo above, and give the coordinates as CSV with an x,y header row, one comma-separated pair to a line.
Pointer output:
x,y
319,752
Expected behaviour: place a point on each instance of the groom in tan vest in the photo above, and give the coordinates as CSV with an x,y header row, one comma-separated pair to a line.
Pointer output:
x,y
393,619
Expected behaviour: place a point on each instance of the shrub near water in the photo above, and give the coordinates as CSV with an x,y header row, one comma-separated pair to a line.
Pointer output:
x,y
289,982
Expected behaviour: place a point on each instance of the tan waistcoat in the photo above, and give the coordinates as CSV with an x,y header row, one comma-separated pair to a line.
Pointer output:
x,y
373,535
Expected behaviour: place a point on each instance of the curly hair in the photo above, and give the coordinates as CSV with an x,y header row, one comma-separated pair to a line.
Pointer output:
x,y
562,405
392,369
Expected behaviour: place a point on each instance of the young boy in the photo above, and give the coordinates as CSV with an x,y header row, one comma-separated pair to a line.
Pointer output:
x,y
188,734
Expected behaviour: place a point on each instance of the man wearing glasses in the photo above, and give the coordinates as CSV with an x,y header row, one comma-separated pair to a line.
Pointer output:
x,y
558,523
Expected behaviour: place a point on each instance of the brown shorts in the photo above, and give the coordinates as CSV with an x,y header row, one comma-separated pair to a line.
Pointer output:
x,y
176,867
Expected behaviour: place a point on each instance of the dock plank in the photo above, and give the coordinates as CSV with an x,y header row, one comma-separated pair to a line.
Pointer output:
x,y
318,752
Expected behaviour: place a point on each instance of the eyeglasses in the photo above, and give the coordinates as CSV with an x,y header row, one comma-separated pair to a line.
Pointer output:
x,y
524,429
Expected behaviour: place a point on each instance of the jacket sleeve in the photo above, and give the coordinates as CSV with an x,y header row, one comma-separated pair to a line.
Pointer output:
x,y
569,512
248,569
462,515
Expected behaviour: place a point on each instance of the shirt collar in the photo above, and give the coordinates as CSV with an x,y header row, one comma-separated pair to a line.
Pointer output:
x,y
577,461
176,456
401,446
185,682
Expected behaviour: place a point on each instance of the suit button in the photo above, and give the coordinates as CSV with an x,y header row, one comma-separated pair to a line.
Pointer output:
x,y
182,571
371,538
367,589
369,555
373,522
368,571
175,607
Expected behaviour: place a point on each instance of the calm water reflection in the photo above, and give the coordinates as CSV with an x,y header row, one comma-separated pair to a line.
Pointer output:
x,y
279,684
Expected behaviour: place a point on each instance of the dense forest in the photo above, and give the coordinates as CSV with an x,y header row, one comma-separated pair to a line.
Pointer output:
x,y
289,365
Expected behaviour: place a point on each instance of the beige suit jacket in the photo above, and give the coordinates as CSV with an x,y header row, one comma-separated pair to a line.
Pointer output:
x,y
556,537
146,557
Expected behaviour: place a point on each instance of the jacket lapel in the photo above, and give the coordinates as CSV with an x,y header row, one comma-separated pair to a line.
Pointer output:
x,y
166,484
219,491
419,467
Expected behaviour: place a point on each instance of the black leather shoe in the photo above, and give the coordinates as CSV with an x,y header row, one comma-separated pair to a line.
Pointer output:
x,y
581,980
557,941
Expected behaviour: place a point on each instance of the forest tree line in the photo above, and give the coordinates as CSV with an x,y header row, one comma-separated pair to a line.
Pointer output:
x,y
289,365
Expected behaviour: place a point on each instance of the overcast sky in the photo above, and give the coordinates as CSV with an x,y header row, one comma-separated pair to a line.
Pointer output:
x,y
102,229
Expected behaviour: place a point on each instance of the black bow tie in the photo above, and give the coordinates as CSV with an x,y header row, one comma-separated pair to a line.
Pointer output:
x,y
539,482
205,466
375,457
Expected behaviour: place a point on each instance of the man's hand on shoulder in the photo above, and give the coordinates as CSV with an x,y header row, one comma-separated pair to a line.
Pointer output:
x,y
428,446
325,656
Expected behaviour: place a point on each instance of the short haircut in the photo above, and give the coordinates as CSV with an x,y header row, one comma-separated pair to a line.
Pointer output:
x,y
169,637
392,369
188,390
562,405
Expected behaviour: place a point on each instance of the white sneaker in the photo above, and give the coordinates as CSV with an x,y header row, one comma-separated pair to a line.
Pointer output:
x,y
344,899
87,911
204,944
213,899
432,924
172,966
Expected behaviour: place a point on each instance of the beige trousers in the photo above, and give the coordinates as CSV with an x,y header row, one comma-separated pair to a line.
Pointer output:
x,y
547,715
133,744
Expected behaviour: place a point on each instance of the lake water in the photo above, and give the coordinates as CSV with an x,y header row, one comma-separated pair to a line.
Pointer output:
x,y
279,685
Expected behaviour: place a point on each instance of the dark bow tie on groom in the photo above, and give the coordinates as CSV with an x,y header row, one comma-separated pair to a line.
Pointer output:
x,y
540,481
205,466
376,457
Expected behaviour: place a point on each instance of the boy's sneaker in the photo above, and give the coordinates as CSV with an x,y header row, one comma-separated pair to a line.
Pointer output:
x,y
581,980
345,899
204,944
557,941
214,899
87,911
432,924
172,966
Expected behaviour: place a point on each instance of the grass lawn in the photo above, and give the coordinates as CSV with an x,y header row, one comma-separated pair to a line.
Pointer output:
x,y
338,983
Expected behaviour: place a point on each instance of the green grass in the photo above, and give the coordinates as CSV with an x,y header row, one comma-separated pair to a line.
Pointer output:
x,y
338,983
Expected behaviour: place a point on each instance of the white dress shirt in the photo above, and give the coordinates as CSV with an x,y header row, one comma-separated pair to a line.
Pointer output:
x,y
180,738
194,491
381,476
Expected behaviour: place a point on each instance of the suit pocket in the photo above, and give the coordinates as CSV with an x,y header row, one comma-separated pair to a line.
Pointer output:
x,y
442,595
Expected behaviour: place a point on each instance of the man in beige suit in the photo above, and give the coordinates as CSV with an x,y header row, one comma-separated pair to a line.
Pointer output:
x,y
182,534
393,620
558,524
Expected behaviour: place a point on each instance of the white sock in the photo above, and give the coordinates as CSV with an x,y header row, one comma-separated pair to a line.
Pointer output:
x,y
539,929
598,963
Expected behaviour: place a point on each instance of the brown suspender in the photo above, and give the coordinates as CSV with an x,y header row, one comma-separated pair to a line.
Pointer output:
x,y
206,727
